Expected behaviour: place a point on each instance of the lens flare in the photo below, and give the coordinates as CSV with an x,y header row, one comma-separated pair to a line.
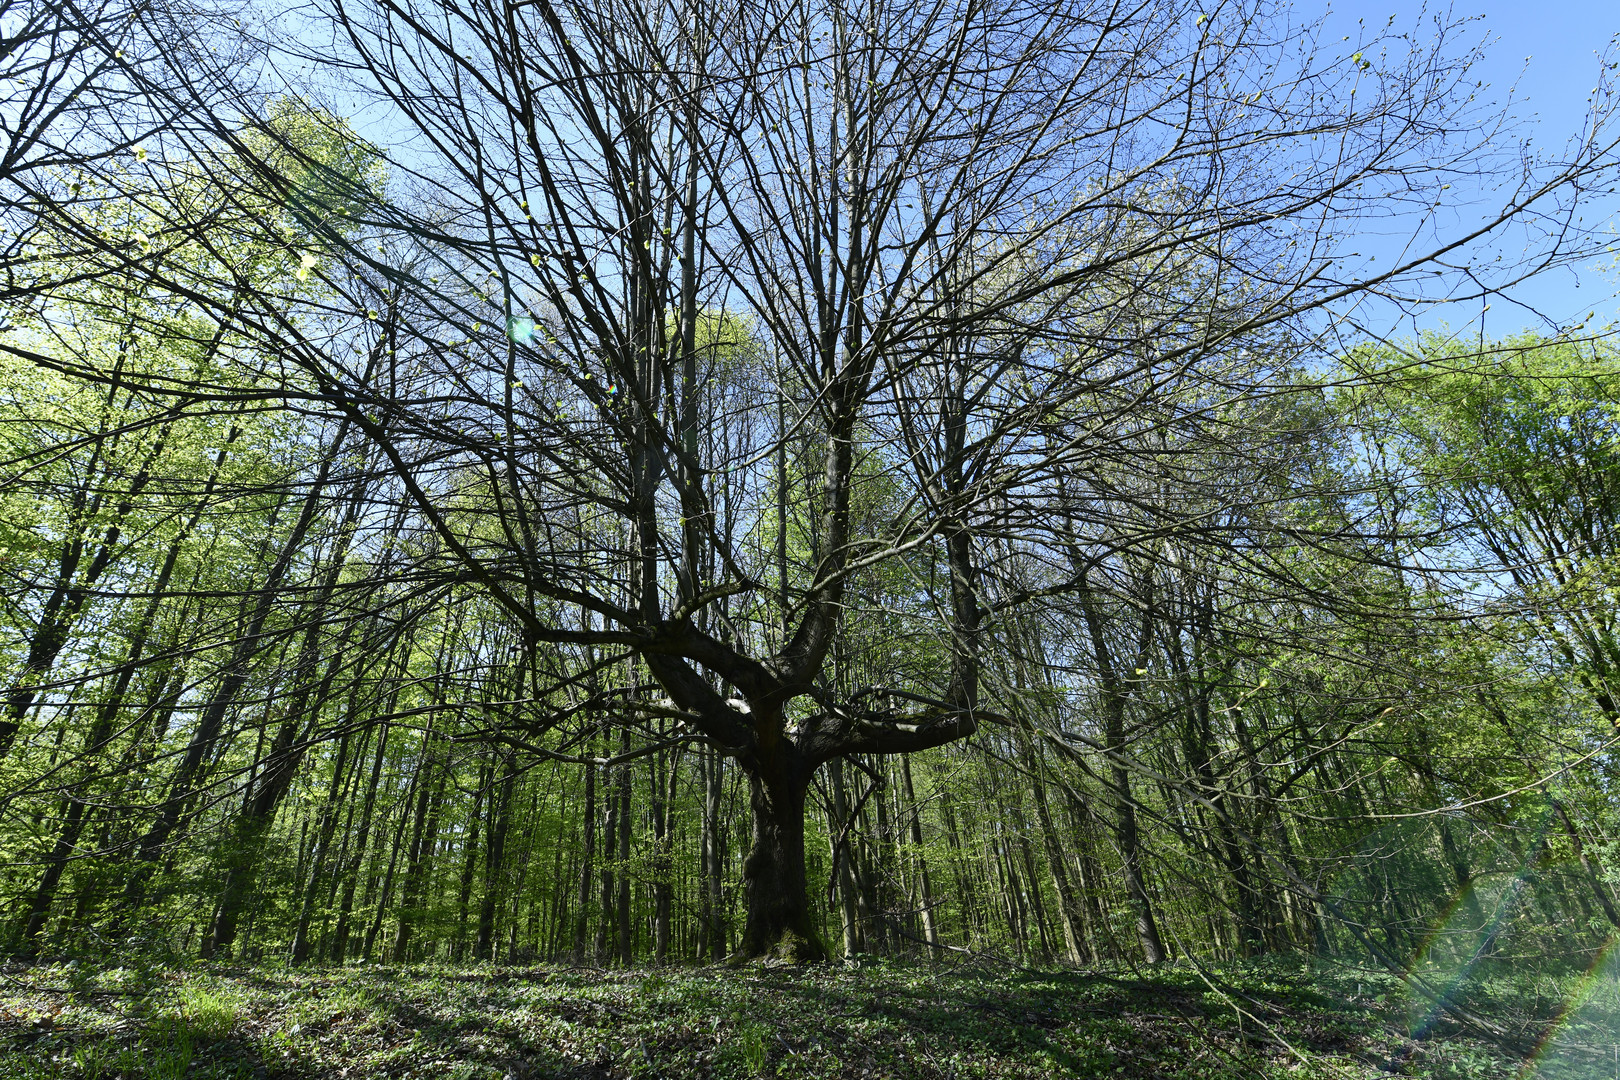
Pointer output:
x,y
1583,1041
520,330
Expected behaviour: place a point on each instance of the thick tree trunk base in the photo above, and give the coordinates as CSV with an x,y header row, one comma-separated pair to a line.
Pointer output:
x,y
780,929
791,948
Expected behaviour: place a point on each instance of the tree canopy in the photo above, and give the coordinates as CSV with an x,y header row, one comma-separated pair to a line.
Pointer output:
x,y
640,423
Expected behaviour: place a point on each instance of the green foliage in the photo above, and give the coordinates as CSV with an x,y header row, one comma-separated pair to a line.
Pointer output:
x,y
753,1042
1514,459
322,173
205,1013
1273,1018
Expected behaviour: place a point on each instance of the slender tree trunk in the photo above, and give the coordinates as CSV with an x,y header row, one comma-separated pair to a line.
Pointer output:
x,y
495,865
715,943
882,868
516,893
1594,880
107,713
469,860
967,895
291,742
626,948
925,886
606,926
1114,698
1070,915
326,828
1037,901
587,868
340,934
258,815
423,827
1005,880
561,877
663,773
841,839
182,783
386,893
1147,924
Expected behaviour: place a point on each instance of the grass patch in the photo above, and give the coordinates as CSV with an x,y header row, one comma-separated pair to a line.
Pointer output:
x,y
1274,1020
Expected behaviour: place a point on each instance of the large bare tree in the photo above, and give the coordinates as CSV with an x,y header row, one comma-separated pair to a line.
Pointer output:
x,y
963,252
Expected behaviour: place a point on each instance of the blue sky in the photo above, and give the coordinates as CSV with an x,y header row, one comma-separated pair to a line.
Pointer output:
x,y
1546,55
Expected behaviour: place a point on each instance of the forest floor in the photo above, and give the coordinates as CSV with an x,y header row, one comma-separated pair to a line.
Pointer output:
x,y
103,1021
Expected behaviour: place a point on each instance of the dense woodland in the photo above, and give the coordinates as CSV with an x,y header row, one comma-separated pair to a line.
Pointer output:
x,y
677,482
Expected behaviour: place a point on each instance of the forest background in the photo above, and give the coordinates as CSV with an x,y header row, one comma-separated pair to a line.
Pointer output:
x,y
657,483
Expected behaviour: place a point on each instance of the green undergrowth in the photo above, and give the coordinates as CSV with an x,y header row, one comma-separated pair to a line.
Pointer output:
x,y
98,1021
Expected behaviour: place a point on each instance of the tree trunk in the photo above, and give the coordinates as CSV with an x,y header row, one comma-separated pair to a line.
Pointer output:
x,y
1593,878
587,869
965,891
326,827
386,894
495,865
422,836
1005,881
1130,849
258,815
881,870
107,715
715,936
233,677
779,924
1069,913
356,863
1115,694
925,885
622,900
1033,882
469,862
842,853
610,843
663,775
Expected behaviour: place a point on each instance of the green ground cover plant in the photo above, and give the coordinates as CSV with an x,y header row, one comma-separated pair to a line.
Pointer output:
x,y
1284,1018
